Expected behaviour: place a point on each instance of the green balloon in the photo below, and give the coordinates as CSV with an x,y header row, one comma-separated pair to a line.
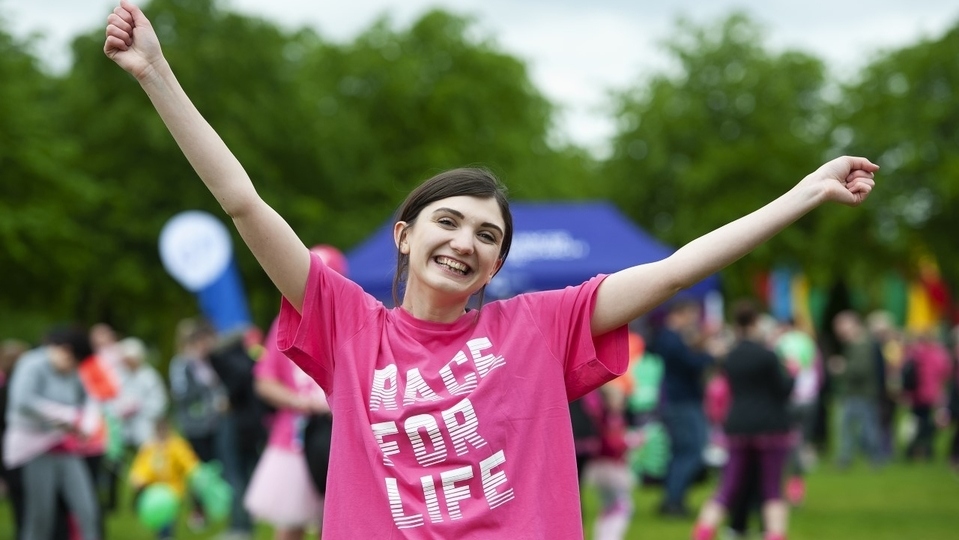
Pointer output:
x,y
217,500
157,506
215,494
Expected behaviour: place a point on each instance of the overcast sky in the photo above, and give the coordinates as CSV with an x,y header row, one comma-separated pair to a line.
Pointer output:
x,y
576,50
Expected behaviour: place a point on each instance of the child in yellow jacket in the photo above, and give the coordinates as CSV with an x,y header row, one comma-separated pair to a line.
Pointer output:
x,y
167,459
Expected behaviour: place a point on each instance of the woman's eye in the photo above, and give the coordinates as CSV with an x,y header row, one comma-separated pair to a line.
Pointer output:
x,y
487,237
445,221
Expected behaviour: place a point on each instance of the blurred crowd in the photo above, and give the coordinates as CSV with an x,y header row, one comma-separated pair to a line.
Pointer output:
x,y
760,402
215,442
234,433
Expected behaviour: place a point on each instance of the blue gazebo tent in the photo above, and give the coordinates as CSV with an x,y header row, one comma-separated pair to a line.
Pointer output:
x,y
555,244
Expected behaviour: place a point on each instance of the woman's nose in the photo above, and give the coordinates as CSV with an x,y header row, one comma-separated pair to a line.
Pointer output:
x,y
462,242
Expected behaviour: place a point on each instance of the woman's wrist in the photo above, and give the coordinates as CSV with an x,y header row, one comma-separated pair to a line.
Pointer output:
x,y
154,74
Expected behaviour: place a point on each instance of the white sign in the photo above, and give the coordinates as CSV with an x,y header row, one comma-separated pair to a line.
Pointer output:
x,y
195,248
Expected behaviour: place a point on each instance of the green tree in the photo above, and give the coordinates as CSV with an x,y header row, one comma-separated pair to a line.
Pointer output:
x,y
903,108
228,64
397,106
730,127
333,135
42,230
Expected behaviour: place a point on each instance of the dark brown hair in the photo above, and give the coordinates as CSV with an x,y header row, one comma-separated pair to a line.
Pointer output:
x,y
467,181
745,313
73,337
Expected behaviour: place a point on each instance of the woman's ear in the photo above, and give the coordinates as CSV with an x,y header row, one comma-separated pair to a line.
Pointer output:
x,y
400,237
496,268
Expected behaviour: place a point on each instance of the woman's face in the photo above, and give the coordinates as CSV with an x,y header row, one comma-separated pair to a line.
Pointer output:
x,y
453,246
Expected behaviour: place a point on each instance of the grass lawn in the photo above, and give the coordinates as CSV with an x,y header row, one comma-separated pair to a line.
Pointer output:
x,y
900,502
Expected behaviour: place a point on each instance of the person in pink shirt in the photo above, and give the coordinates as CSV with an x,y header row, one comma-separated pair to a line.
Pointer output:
x,y
450,421
281,492
932,370
951,414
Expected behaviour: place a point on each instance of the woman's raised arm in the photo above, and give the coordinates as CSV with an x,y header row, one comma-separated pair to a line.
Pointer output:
x,y
132,43
630,293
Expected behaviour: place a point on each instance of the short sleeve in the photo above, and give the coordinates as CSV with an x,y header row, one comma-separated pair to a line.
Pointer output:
x,y
588,361
334,309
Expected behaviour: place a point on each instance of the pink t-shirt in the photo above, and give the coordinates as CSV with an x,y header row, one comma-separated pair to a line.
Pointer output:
x,y
457,430
286,424
932,363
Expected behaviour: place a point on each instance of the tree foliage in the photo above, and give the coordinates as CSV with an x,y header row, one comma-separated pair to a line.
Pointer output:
x,y
731,127
42,230
904,109
335,134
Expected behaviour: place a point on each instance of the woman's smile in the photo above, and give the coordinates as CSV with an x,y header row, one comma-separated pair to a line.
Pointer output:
x,y
453,265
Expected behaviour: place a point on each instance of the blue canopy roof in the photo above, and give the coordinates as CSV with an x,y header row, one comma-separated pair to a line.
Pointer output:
x,y
555,244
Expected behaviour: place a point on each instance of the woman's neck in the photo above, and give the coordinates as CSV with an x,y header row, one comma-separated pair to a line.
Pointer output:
x,y
428,307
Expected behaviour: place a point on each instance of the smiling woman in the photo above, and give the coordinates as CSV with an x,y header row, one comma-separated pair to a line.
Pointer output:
x,y
449,424
467,212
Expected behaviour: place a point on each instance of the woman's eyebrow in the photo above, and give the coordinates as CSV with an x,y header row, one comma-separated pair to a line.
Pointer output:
x,y
460,215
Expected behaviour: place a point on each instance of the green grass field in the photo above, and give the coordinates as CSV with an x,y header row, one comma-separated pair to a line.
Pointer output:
x,y
900,502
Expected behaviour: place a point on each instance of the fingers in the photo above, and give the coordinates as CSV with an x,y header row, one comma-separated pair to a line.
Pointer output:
x,y
124,14
138,18
860,188
118,29
847,169
860,163
863,186
113,44
859,173
860,181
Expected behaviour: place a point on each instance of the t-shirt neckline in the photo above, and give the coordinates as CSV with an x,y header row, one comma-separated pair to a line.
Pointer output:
x,y
407,319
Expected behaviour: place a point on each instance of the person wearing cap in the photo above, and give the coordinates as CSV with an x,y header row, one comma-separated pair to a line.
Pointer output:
x,y
143,398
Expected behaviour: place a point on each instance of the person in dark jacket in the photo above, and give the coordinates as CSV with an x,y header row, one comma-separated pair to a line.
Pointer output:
x,y
857,387
678,342
757,427
242,433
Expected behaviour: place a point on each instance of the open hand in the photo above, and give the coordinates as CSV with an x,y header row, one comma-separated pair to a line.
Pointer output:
x,y
131,41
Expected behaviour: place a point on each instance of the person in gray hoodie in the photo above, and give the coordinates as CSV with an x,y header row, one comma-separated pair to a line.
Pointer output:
x,y
49,420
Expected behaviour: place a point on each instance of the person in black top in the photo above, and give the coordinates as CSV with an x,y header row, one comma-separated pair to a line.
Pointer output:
x,y
757,427
679,341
